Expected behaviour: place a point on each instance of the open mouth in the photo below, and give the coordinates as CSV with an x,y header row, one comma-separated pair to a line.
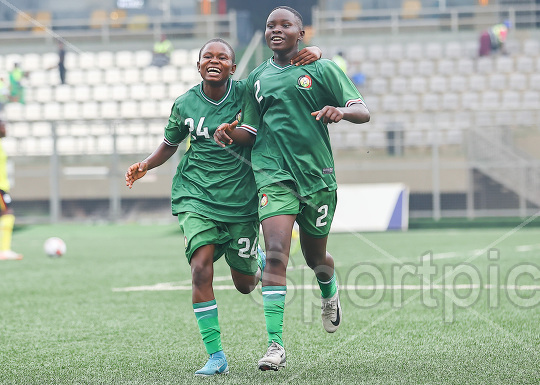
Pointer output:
x,y
213,70
277,39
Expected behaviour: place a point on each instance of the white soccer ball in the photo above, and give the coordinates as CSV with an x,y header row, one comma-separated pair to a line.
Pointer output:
x,y
54,247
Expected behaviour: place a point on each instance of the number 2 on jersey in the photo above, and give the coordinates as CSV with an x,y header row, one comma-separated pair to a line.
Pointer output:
x,y
258,91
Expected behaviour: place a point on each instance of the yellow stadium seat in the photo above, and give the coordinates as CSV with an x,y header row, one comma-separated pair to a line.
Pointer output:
x,y
118,18
98,18
410,9
23,21
138,23
351,10
43,19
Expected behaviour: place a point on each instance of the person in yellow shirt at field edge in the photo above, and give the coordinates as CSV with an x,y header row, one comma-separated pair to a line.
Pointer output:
x,y
7,219
162,52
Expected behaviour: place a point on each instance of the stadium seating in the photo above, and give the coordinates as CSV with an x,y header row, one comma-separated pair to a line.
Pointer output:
x,y
402,81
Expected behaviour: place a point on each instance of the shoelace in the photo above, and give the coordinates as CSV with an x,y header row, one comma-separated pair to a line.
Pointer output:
x,y
329,307
274,348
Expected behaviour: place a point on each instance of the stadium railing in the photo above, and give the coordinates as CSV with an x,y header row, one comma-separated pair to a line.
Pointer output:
x,y
454,19
110,29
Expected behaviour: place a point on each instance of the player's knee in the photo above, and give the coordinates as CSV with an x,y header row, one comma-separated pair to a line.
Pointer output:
x,y
317,260
244,287
276,253
201,275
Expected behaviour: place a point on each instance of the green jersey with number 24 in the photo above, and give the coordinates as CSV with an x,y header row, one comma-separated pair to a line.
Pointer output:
x,y
213,181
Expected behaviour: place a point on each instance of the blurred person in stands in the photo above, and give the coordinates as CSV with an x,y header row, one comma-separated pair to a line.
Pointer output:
x,y
494,39
4,93
16,88
61,62
340,60
7,219
213,192
162,52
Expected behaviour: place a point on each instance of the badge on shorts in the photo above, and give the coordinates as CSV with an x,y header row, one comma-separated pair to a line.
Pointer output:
x,y
185,241
264,200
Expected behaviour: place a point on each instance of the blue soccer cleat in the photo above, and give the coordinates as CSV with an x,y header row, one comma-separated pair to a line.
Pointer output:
x,y
261,260
216,364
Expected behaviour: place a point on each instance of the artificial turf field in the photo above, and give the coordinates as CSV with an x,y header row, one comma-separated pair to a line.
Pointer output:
x,y
116,309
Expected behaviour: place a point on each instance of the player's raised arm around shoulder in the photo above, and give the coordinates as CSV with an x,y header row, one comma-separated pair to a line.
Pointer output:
x,y
157,158
307,55
227,133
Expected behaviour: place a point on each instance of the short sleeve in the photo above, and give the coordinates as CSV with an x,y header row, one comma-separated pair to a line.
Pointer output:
x,y
249,120
341,87
175,131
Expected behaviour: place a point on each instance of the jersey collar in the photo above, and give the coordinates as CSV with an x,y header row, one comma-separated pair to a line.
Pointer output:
x,y
273,64
229,88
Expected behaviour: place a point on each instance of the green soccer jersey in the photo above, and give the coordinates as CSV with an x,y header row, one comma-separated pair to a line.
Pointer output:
x,y
212,181
291,144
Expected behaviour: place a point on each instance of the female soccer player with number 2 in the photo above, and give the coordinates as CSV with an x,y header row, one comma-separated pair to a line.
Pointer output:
x,y
288,108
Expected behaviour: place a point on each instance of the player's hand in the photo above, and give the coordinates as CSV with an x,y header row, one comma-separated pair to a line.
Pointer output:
x,y
221,135
134,172
306,56
328,114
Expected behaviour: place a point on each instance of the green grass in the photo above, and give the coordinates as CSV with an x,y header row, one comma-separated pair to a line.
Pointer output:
x,y
62,323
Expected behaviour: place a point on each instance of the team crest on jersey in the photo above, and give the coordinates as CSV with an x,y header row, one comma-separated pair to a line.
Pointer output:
x,y
264,200
239,115
304,81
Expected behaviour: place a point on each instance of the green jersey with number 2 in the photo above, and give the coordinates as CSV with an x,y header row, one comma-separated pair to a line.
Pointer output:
x,y
291,144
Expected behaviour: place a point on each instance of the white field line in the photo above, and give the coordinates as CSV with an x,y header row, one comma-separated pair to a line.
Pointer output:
x,y
453,254
524,248
172,287
186,285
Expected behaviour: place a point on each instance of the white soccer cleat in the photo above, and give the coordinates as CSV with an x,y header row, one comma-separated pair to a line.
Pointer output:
x,y
331,313
10,255
274,358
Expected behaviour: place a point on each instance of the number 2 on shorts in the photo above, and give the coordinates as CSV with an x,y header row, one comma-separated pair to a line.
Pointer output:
x,y
324,210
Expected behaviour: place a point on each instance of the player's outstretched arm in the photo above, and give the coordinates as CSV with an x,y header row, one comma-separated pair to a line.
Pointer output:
x,y
227,133
356,113
307,56
157,158
135,171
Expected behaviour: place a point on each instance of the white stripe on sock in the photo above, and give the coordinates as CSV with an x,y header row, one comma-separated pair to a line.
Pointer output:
x,y
206,308
275,292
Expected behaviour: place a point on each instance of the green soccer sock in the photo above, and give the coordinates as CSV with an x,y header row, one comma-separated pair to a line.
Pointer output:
x,y
328,288
207,319
274,306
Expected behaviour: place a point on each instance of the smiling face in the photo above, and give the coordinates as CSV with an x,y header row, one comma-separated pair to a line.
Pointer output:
x,y
283,31
216,62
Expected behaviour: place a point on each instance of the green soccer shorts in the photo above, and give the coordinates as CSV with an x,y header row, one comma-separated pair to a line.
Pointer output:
x,y
314,213
237,241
